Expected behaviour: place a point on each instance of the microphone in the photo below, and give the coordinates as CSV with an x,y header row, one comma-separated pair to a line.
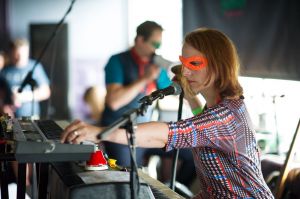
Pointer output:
x,y
176,69
27,80
173,89
160,61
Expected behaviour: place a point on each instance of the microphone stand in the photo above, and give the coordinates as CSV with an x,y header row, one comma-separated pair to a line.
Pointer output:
x,y
276,122
28,77
22,166
176,151
33,85
128,122
30,81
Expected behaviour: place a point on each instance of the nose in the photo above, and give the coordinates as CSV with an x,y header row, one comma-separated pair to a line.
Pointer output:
x,y
186,72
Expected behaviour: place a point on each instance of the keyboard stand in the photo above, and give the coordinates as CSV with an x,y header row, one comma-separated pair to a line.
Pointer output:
x,y
3,178
21,181
42,180
4,159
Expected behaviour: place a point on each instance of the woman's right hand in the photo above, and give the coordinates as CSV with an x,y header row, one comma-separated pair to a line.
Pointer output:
x,y
79,131
189,95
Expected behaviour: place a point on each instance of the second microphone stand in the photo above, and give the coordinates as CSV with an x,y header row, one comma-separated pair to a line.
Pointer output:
x,y
176,151
22,166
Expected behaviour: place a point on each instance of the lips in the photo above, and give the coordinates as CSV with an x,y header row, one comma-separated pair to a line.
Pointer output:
x,y
191,82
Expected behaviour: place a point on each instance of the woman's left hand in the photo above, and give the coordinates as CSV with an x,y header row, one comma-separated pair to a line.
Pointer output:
x,y
79,131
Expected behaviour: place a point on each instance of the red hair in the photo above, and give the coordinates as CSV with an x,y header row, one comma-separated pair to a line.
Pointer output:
x,y
223,60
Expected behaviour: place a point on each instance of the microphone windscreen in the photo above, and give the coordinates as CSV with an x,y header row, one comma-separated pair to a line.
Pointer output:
x,y
160,61
177,88
176,69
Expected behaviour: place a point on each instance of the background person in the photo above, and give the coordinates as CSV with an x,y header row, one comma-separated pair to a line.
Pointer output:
x,y
94,98
3,59
15,72
129,76
6,95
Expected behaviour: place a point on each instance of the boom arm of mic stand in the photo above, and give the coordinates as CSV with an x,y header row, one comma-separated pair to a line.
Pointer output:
x,y
117,124
149,99
58,25
28,80
130,115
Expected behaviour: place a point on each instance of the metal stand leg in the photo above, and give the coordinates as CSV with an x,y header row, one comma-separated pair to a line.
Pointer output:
x,y
43,180
3,177
21,189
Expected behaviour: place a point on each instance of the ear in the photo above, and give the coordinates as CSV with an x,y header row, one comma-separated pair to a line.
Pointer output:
x,y
140,39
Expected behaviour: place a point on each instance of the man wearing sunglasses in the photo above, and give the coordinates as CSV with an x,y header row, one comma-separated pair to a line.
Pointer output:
x,y
129,76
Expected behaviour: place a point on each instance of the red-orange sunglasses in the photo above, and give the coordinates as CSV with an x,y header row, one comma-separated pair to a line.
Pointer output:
x,y
194,62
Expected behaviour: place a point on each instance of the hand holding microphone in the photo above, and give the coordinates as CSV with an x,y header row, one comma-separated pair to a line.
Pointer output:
x,y
154,68
176,70
182,81
179,84
152,72
173,89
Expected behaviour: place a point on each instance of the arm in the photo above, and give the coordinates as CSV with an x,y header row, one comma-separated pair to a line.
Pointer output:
x,y
41,93
148,135
189,95
145,135
119,95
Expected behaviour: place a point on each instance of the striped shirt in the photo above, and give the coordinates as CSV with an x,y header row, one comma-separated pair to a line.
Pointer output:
x,y
225,153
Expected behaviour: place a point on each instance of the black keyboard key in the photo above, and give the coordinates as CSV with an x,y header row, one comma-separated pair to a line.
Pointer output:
x,y
50,129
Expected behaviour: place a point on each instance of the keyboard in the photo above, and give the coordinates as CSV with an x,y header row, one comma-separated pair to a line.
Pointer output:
x,y
39,141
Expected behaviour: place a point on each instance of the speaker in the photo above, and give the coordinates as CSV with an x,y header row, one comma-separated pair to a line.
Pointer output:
x,y
55,62
93,185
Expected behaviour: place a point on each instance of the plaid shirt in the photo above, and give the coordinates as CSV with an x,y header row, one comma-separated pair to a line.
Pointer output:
x,y
224,149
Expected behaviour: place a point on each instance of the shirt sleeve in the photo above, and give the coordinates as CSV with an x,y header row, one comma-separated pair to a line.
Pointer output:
x,y
40,76
114,71
163,80
214,128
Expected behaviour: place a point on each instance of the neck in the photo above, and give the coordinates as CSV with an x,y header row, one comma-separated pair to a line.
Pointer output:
x,y
211,98
145,57
21,63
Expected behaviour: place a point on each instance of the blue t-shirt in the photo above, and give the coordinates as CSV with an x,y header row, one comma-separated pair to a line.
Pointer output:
x,y
15,76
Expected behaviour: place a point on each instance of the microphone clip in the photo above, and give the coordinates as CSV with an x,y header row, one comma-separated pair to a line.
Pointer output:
x,y
173,89
28,80
149,99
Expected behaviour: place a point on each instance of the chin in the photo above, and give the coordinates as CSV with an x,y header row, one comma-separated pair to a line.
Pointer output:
x,y
194,91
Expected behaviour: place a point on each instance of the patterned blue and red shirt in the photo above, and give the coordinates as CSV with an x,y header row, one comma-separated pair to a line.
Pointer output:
x,y
225,152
